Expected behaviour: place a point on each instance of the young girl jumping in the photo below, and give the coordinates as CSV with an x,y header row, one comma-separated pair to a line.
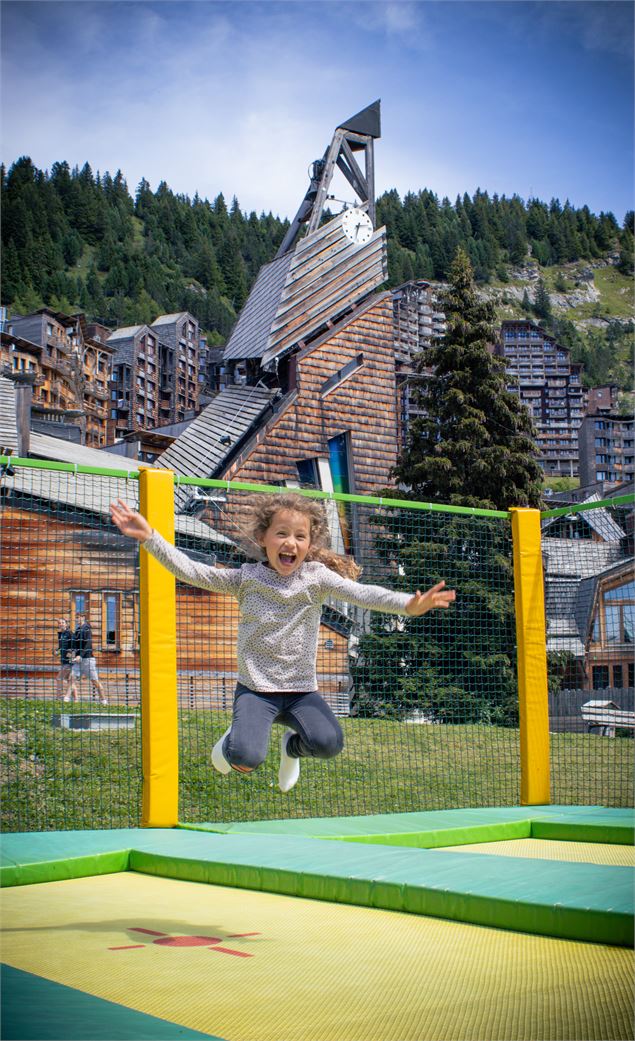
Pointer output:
x,y
280,602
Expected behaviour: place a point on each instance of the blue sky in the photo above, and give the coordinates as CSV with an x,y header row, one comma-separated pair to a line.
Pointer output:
x,y
533,98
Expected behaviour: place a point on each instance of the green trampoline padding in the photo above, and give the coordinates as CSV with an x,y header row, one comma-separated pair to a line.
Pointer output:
x,y
434,828
49,856
56,1011
576,901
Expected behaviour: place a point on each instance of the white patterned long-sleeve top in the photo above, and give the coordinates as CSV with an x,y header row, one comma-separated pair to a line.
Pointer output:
x,y
279,614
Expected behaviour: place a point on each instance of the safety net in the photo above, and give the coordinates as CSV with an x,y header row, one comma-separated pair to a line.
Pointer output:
x,y
428,705
590,609
69,652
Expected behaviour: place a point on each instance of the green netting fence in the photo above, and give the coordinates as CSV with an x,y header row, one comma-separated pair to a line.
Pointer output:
x,y
68,763
429,706
590,607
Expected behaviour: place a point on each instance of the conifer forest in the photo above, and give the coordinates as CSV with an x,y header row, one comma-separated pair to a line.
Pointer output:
x,y
74,239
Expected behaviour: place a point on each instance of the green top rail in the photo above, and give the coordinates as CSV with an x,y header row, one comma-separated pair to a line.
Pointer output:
x,y
562,511
133,475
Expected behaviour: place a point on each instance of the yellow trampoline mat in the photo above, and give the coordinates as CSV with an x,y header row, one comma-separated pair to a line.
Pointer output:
x,y
551,849
251,966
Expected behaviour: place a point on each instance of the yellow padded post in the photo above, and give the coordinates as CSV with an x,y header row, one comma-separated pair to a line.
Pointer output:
x,y
159,740
531,637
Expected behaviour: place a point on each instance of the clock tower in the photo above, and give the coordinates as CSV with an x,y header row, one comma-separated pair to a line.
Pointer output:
x,y
352,139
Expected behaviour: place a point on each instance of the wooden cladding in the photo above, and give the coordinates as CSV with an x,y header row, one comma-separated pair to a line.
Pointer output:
x,y
52,568
364,404
327,275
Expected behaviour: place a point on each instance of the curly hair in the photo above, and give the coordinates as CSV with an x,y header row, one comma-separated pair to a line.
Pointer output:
x,y
265,507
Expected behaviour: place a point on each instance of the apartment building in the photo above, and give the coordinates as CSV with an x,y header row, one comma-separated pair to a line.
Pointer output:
x,y
70,373
607,448
134,396
549,384
601,399
416,322
179,351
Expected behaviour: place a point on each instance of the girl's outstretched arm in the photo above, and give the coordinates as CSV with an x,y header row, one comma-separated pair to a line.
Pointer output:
x,y
129,521
179,564
437,596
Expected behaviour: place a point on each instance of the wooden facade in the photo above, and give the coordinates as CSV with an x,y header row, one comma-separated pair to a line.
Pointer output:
x,y
363,406
179,337
54,567
71,371
155,379
609,651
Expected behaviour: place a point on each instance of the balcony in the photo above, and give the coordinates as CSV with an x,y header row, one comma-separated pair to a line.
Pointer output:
x,y
96,389
60,345
58,365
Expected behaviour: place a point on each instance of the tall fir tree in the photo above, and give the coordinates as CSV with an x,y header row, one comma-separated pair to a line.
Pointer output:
x,y
472,446
542,301
474,443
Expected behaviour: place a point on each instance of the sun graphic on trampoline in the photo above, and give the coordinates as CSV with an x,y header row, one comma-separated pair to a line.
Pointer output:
x,y
167,940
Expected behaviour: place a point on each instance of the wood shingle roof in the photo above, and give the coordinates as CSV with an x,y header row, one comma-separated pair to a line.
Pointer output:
x,y
209,439
327,276
250,335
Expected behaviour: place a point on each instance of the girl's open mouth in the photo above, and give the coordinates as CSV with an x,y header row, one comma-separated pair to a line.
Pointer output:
x,y
287,558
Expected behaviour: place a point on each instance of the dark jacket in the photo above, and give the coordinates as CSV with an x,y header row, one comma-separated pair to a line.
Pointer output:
x,y
83,641
65,646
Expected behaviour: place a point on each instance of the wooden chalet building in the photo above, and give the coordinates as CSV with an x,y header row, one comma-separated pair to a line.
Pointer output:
x,y
69,369
590,598
62,555
311,400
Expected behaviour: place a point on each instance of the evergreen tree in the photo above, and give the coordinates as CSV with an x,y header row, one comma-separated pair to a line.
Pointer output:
x,y
12,284
162,239
542,301
474,444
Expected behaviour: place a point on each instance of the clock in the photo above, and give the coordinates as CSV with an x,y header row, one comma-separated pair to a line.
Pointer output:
x,y
357,226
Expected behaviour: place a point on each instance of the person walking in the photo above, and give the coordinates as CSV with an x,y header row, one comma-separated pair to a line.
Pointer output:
x,y
64,682
84,664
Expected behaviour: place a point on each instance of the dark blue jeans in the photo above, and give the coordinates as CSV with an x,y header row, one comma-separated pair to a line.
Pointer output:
x,y
317,732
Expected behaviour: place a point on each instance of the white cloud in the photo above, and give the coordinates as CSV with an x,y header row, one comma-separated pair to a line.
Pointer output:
x,y
241,97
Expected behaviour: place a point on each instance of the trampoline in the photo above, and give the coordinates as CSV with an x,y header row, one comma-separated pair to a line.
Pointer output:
x,y
493,924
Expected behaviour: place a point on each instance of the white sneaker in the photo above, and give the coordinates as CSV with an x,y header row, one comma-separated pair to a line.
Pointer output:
x,y
289,771
218,759
104,701
67,698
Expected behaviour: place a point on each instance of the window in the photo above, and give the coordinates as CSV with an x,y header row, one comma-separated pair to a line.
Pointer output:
x,y
79,605
619,613
631,674
342,482
308,473
600,677
110,615
617,675
342,374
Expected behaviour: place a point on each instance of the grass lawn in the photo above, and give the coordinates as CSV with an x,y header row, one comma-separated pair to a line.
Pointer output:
x,y
60,779
616,290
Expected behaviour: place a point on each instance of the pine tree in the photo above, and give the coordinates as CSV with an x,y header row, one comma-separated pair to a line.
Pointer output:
x,y
542,301
473,445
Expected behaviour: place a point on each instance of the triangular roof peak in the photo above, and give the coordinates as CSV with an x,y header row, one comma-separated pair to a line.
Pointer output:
x,y
367,122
